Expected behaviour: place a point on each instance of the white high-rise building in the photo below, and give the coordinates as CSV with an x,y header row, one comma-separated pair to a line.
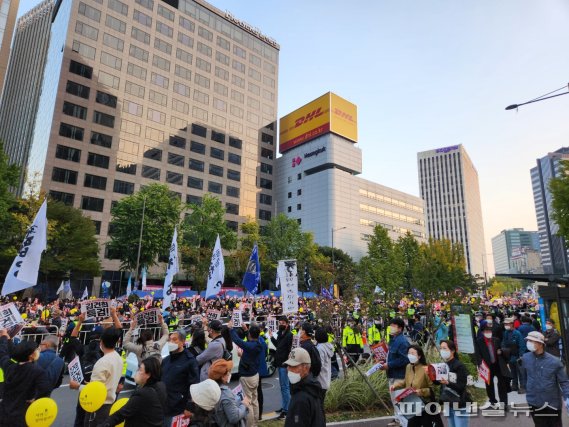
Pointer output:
x,y
449,188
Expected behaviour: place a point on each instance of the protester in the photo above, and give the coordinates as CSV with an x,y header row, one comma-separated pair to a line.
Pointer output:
x,y
513,345
198,343
24,380
214,349
398,348
145,346
525,328
145,407
263,372
306,335
283,345
551,338
204,397
229,412
305,409
488,349
179,372
453,390
326,352
547,382
51,362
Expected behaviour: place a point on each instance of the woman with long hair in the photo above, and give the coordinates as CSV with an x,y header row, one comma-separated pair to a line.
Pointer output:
x,y
198,342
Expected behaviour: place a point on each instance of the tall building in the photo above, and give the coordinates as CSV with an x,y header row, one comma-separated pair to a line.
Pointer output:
x,y
514,251
316,181
20,99
449,188
8,13
142,91
553,247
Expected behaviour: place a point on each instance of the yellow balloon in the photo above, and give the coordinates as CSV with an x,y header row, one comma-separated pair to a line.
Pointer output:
x,y
93,396
24,315
41,413
118,405
15,298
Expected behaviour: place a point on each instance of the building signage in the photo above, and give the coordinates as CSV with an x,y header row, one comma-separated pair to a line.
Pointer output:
x,y
296,161
329,113
447,149
250,29
315,152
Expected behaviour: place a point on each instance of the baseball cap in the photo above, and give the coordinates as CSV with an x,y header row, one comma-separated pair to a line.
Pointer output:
x,y
298,356
215,325
509,320
308,329
536,336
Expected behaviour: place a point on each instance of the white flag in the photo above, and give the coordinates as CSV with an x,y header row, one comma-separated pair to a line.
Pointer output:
x,y
144,278
24,271
60,289
129,285
85,294
216,274
287,273
171,271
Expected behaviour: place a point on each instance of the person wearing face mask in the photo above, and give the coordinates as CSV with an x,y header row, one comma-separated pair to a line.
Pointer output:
x,y
552,338
352,339
229,411
513,346
492,321
214,349
145,346
306,336
283,345
456,382
24,380
416,378
489,350
145,407
305,409
374,332
179,371
547,382
525,328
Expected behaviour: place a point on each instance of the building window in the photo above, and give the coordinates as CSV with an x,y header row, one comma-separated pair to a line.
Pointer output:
x,y
218,136
118,6
151,173
94,181
98,160
153,153
195,183
232,191
232,225
70,131
187,24
74,110
266,184
68,153
176,159
162,11
64,175
265,168
264,215
234,158
101,139
235,143
92,204
104,119
216,153
123,187
299,192
214,187
215,170
265,199
97,225
196,147
196,165
106,99
81,69
174,178
208,35
177,141
77,89
233,175
128,168
60,196
89,12
289,195
199,130
232,208
141,18
299,176
141,36
268,154
115,24
164,29
298,207
289,209
193,200
265,137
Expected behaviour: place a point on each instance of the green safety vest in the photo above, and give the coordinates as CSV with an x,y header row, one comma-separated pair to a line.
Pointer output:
x,y
373,335
350,337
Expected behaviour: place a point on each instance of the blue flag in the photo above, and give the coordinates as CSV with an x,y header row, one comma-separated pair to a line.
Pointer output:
x,y
252,276
417,294
326,293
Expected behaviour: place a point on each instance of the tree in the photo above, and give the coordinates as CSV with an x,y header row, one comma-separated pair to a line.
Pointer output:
x,y
9,176
343,272
409,249
559,188
200,229
284,238
162,211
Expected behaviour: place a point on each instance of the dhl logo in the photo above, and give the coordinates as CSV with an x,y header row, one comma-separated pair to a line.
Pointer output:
x,y
306,118
343,115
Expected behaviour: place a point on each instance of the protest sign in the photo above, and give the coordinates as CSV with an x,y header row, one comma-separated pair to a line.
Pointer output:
x,y
484,372
288,278
180,421
147,317
96,308
63,327
237,318
238,391
295,341
379,351
272,324
196,319
438,371
213,315
75,372
10,319
373,369
462,324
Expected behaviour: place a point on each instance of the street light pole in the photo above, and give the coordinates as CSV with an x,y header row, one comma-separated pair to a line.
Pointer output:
x,y
540,98
140,240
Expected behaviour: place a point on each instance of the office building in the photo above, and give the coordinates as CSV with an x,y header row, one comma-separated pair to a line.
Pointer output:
x,y
449,187
514,251
8,13
142,91
20,99
317,182
553,248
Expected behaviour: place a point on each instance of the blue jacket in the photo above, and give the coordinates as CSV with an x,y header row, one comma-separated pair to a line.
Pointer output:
x,y
53,366
545,376
397,357
263,370
525,329
179,372
511,340
249,363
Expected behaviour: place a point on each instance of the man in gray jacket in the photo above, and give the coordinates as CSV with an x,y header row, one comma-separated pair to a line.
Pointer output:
x,y
326,351
214,350
547,382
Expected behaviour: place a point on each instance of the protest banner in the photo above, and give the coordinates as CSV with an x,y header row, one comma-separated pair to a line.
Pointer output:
x,y
196,319
463,337
484,372
288,278
10,319
272,324
96,308
213,315
237,318
75,372
147,317
295,341
374,369
180,421
379,351
438,371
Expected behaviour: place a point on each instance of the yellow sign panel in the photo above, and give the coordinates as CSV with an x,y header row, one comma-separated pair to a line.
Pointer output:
x,y
329,113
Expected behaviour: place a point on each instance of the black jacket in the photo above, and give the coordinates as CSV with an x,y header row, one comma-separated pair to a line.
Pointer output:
x,y
179,372
305,408
552,342
283,345
456,367
482,353
315,362
22,383
145,408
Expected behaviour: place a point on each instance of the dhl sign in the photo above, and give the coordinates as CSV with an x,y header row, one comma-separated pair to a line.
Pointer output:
x,y
328,113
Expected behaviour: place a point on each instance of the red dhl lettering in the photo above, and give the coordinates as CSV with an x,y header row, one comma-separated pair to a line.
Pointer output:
x,y
312,115
343,115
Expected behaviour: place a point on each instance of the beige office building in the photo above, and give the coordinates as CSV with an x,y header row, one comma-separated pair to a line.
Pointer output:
x,y
145,91
8,13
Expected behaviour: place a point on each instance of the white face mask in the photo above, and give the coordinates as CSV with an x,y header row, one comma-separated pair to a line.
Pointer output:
x,y
548,327
489,321
445,354
531,346
229,378
293,377
172,347
488,335
412,358
508,328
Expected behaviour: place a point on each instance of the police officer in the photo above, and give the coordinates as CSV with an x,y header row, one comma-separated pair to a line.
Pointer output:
x,y
373,332
352,339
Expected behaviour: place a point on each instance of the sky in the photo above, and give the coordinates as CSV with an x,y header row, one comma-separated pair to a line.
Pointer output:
x,y
427,74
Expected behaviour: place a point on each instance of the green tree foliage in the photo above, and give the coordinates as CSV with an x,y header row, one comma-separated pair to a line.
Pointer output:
x,y
499,286
559,188
162,211
409,250
344,271
9,176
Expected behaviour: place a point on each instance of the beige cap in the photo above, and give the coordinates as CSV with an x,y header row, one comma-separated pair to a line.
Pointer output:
x,y
298,356
536,336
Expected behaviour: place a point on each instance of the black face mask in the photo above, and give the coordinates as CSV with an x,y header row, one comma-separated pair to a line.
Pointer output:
x,y
282,327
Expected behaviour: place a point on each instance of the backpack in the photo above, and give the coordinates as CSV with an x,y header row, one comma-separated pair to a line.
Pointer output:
x,y
226,353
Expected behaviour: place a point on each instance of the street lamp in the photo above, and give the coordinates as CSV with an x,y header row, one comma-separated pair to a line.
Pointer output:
x,y
539,98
